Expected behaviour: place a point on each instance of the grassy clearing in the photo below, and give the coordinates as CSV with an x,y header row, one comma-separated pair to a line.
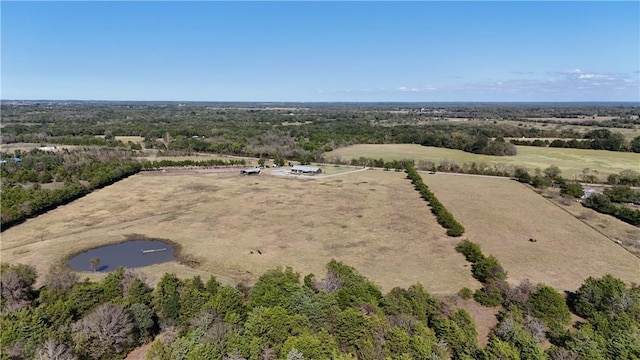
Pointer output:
x,y
570,161
133,139
501,215
372,220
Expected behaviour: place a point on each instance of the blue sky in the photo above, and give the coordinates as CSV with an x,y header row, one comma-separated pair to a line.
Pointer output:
x,y
321,51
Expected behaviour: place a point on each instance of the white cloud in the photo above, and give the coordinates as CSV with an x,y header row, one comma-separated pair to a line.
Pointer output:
x,y
417,89
563,85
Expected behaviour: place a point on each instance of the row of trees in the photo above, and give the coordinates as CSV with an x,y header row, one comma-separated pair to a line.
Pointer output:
x,y
617,201
601,139
444,217
159,164
604,204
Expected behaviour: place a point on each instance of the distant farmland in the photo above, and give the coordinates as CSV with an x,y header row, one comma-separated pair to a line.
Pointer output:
x,y
501,215
372,220
570,161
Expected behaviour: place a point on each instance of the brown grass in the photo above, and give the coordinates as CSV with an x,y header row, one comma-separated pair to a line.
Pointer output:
x,y
372,220
501,215
620,232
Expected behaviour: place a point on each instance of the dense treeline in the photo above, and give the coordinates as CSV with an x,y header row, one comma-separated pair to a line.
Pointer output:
x,y
43,180
340,316
293,131
444,217
158,164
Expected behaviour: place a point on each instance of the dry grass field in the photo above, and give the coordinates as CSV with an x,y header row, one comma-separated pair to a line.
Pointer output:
x,y
570,161
501,215
372,220
618,231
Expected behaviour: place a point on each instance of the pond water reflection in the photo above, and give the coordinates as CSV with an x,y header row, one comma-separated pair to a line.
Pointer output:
x,y
130,254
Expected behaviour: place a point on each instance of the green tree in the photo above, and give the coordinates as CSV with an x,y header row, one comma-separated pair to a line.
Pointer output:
x,y
351,288
572,189
552,172
488,268
634,145
274,287
166,298
500,350
549,305
355,333
144,322
470,250
227,300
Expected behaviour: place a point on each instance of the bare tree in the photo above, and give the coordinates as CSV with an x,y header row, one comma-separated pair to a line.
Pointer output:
x,y
295,354
268,353
13,289
16,282
60,278
94,262
519,294
535,327
51,350
331,282
105,332
127,279
234,356
562,354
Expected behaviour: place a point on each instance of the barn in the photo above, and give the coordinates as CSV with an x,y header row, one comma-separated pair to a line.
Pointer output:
x,y
306,170
251,171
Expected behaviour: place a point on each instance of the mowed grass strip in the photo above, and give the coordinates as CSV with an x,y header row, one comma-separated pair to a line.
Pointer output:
x,y
570,161
372,220
501,216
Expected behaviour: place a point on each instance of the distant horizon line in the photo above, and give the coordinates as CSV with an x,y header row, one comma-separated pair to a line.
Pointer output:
x,y
334,102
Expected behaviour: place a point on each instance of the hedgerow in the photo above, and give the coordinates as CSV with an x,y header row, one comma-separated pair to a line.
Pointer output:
x,y
443,216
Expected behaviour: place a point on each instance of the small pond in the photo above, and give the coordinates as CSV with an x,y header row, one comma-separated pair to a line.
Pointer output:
x,y
130,254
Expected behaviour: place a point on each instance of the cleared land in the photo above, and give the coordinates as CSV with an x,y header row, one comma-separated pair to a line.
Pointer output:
x,y
570,161
372,220
502,215
624,234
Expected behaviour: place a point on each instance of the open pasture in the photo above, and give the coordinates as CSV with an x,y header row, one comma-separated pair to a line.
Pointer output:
x,y
570,161
501,215
240,226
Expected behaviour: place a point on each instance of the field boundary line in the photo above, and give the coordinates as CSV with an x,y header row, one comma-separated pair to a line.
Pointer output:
x,y
582,221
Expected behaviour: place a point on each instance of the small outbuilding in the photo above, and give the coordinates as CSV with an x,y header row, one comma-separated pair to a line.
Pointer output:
x,y
251,171
306,170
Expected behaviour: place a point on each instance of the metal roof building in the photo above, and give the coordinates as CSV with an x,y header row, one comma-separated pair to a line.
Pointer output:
x,y
251,171
305,170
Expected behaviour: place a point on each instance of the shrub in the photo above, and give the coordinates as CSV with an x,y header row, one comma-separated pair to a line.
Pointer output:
x,y
470,250
572,189
465,293
488,268
492,294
